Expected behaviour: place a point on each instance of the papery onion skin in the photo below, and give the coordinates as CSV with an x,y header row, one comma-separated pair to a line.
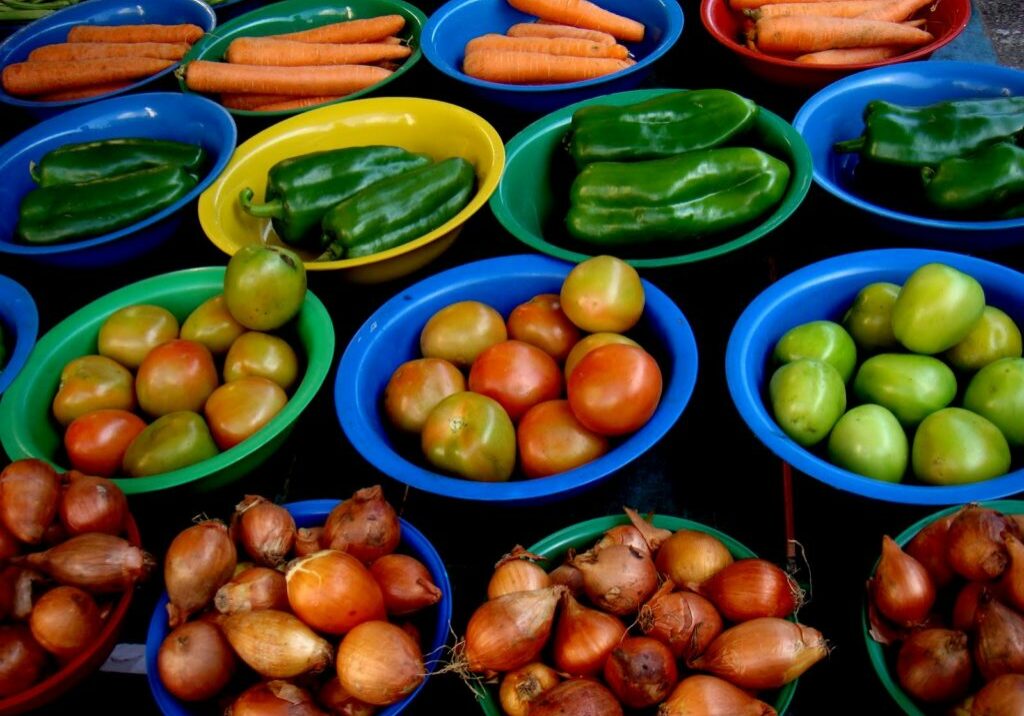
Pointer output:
x,y
195,661
752,588
406,584
274,698
29,497
654,536
703,695
998,639
92,504
618,578
365,526
200,560
1002,696
97,563
509,632
641,672
684,621
901,587
584,638
623,534
333,592
975,543
307,541
379,663
22,660
568,576
930,547
266,531
8,590
965,607
65,621
253,588
277,645
10,547
690,557
515,572
576,697
338,702
519,688
934,665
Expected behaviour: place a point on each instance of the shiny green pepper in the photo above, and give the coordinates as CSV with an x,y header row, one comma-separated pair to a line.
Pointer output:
x,y
991,178
88,161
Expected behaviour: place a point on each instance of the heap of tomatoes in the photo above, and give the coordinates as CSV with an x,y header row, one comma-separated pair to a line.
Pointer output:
x,y
489,392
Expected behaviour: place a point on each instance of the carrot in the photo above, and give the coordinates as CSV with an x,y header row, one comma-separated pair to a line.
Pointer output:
x,y
553,46
537,68
245,100
896,11
29,78
851,56
81,93
203,76
919,22
811,34
295,103
286,53
754,4
847,8
371,29
74,51
135,33
393,40
585,14
546,29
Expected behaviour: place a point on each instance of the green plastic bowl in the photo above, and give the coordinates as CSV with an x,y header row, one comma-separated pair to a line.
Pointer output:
x,y
883,658
28,429
525,198
581,536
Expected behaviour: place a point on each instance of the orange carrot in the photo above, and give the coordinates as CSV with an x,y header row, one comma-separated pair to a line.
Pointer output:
x,y
393,40
286,53
81,93
536,68
29,78
550,29
754,4
244,100
846,8
371,29
74,51
810,34
203,76
553,46
919,22
135,33
851,56
896,11
585,14
295,103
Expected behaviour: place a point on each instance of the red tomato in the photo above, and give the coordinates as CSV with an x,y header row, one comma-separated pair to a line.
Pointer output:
x,y
179,375
552,440
96,442
238,409
542,323
416,387
517,375
594,340
615,389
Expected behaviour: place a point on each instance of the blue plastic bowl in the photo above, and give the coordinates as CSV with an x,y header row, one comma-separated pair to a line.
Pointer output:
x,y
835,113
825,290
457,22
391,336
162,115
311,513
20,322
54,29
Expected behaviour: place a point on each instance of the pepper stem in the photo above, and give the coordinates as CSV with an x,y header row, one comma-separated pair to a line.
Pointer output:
x,y
272,209
850,145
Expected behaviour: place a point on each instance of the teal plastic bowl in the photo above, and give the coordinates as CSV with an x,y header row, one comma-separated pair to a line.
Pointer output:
x,y
28,429
527,197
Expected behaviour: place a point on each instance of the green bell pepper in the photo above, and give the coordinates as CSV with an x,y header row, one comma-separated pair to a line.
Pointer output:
x,y
694,194
661,127
88,161
300,190
992,177
398,209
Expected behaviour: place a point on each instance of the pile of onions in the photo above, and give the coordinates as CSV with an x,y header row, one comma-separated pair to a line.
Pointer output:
x,y
620,635
321,628
63,566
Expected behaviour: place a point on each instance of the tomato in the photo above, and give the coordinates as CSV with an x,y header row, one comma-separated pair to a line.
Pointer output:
x,y
615,389
603,294
996,392
263,355
551,440
92,383
821,340
517,375
264,286
212,325
170,442
911,386
460,332
542,322
472,436
416,387
993,337
870,441
869,318
936,309
955,446
132,332
589,343
808,397
179,375
236,410
96,442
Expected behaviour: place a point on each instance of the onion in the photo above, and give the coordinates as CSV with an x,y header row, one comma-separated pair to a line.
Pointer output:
x,y
568,576
406,584
379,663
751,588
519,688
276,644
254,588
24,592
618,579
929,547
702,695
998,639
8,590
626,535
965,608
195,661
934,665
685,622
976,547
9,545
584,638
29,494
97,563
413,631
641,672
654,536
265,530
690,557
763,653
274,698
22,660
1012,582
579,697
1003,696
307,541
55,534
332,591
901,588
516,573
92,504
509,632
364,525
200,560
337,701
64,621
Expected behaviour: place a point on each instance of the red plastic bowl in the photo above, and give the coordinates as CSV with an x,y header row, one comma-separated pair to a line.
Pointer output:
x,y
945,20
85,663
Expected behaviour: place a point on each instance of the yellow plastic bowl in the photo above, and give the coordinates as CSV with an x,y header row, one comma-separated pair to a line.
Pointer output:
x,y
438,129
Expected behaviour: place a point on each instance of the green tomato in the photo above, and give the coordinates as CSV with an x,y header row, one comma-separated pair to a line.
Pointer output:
x,y
171,442
996,392
870,441
911,386
995,336
936,309
472,436
264,286
869,318
212,325
821,340
808,397
130,333
955,446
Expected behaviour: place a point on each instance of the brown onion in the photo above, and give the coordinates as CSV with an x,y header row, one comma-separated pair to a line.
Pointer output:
x,y
29,495
265,530
333,697
901,588
703,695
685,622
332,591
763,653
515,572
9,545
998,639
406,584
22,660
618,579
379,664
64,621
626,535
966,606
509,632
307,541
254,588
277,645
55,534
579,697
1003,696
274,698
929,547
641,672
584,638
413,631
976,543
97,563
92,504
568,576
25,591
8,590
1012,582
200,560
520,687
364,525
654,536
934,665
751,588
195,661
690,557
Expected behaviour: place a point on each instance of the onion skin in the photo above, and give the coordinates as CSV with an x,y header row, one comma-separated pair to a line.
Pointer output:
x,y
406,584
623,534
576,697
8,590
97,563
934,665
641,672
901,588
333,697
195,661
274,698
379,663
618,578
568,576
1003,696
752,588
200,560
251,589
703,695
29,496
277,645
966,606
515,572
521,687
333,592
365,526
92,504
998,639
930,547
654,536
65,621
266,531
690,557
1012,582
975,543
509,632
684,621
10,547
22,660
307,541
584,638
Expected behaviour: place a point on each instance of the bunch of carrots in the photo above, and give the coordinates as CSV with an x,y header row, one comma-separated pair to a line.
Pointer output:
x,y
96,59
574,40
302,69
834,32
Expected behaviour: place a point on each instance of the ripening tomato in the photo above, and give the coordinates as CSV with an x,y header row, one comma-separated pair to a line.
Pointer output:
x,y
179,375
472,436
603,294
264,286
91,383
96,442
416,387
542,322
171,442
615,389
131,332
517,375
551,440
460,332
238,409
589,343
263,355
212,325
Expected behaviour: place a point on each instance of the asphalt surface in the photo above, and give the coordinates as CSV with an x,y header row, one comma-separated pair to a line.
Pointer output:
x,y
1003,22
